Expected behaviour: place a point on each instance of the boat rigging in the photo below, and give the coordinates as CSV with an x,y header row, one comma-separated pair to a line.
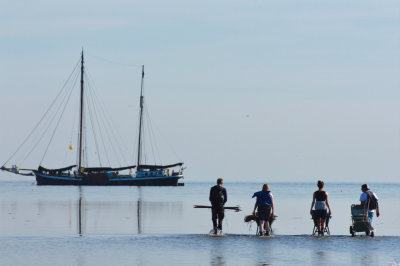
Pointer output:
x,y
82,173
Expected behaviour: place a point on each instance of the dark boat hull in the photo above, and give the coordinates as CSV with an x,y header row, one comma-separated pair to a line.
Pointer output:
x,y
54,180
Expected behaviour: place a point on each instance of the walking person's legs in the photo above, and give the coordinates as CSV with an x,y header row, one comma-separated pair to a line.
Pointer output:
x,y
214,213
261,227
370,216
319,222
221,216
267,228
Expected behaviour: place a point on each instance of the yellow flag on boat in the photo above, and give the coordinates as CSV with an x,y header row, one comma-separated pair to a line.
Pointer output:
x,y
70,147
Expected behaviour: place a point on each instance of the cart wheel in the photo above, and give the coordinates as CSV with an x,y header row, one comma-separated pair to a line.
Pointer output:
x,y
372,234
367,232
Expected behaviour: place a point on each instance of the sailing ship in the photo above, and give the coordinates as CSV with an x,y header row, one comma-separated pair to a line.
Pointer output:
x,y
83,175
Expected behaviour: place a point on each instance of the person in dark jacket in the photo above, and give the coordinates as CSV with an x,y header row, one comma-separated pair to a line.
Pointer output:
x,y
218,197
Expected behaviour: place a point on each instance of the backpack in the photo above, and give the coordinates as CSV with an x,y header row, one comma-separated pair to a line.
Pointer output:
x,y
372,201
218,196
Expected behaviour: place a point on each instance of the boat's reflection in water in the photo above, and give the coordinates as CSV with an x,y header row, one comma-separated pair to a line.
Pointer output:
x,y
80,211
125,217
88,215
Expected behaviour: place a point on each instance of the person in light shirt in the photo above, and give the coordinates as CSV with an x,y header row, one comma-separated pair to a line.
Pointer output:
x,y
370,202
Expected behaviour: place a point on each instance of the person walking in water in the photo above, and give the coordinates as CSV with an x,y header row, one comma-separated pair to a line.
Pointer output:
x,y
218,197
321,204
370,202
265,205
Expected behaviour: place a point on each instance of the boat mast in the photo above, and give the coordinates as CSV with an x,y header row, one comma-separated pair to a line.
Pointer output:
x,y
81,117
140,120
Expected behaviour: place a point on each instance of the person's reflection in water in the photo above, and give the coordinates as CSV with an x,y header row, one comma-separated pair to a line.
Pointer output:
x,y
319,257
369,259
217,256
264,251
217,260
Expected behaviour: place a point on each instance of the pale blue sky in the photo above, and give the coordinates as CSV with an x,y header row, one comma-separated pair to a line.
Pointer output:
x,y
246,90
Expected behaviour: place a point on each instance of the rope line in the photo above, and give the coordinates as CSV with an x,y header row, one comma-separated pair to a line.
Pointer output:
x,y
91,118
41,119
111,129
40,137
100,129
58,122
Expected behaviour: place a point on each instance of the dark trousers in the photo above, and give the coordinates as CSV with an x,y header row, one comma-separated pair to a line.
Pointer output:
x,y
217,214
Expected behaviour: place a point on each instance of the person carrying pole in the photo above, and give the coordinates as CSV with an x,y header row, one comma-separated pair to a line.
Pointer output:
x,y
218,198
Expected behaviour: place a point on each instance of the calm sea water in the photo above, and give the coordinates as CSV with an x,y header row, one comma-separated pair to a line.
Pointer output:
x,y
159,226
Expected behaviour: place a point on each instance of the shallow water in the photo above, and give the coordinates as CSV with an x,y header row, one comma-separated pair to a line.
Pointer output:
x,y
159,226
197,249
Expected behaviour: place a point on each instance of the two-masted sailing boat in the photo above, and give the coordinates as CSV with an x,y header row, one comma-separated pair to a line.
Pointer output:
x,y
80,174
